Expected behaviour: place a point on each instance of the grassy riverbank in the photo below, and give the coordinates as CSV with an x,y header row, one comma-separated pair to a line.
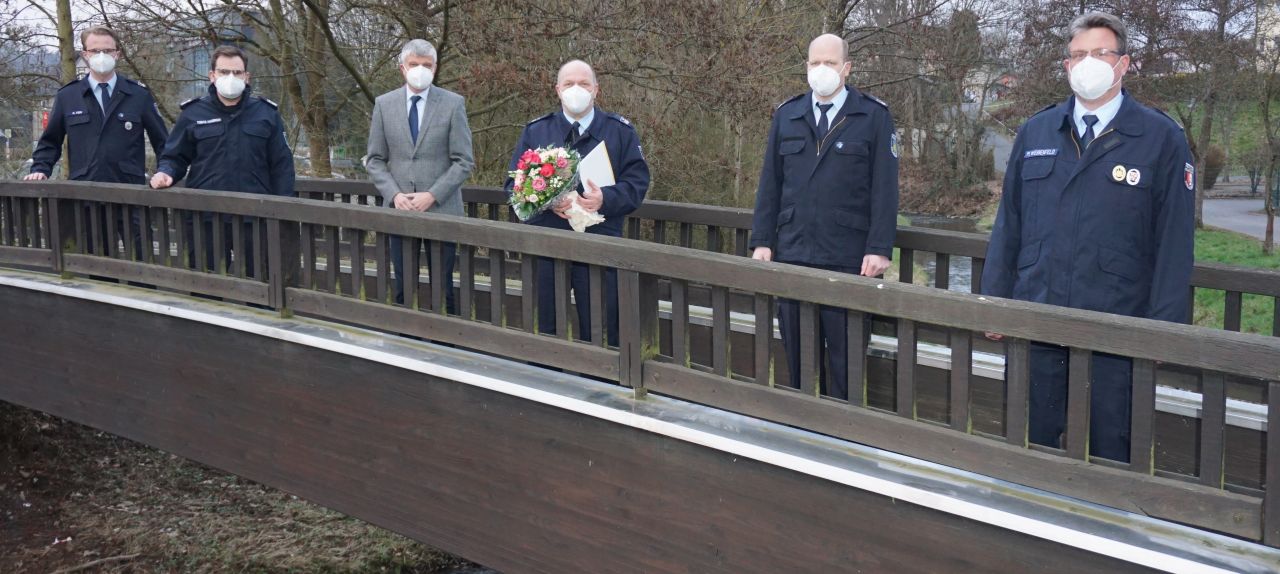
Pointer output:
x,y
1232,248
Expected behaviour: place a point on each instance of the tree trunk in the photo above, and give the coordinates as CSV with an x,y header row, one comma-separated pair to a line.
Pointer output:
x,y
1202,147
66,42
316,110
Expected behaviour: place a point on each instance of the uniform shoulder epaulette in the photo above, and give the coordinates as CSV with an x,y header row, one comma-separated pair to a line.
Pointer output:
x,y
540,118
620,119
876,100
184,105
269,102
1171,118
789,100
1045,109
72,82
133,81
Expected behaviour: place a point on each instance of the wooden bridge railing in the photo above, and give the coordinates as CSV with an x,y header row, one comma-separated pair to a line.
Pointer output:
x,y
296,265
726,230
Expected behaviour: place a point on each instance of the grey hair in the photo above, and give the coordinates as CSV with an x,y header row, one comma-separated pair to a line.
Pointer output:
x,y
417,47
1091,20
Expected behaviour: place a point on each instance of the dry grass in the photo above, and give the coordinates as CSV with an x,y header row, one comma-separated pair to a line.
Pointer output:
x,y
71,496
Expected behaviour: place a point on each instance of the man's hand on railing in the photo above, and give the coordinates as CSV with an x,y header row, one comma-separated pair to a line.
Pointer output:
x,y
422,200
402,201
762,254
873,265
36,176
161,180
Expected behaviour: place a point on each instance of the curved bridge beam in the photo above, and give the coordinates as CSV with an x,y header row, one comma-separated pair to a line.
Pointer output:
x,y
529,471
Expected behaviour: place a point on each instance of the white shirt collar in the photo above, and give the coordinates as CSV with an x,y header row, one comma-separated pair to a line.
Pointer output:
x,y
1105,114
839,100
583,123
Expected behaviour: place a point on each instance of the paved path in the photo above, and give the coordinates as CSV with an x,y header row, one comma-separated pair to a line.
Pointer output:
x,y
1240,215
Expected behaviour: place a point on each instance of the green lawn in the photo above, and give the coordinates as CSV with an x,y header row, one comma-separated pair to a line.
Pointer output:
x,y
1233,249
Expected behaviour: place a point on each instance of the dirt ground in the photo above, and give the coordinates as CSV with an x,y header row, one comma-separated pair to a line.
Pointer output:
x,y
76,500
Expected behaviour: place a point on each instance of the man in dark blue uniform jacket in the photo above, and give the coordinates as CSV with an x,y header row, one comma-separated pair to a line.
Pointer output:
x,y
1097,214
228,140
828,196
583,126
102,117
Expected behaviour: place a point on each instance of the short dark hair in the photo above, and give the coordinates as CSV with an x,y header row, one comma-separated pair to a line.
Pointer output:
x,y
98,31
227,51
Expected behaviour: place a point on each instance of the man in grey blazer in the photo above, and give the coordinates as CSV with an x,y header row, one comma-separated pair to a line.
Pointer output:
x,y
420,152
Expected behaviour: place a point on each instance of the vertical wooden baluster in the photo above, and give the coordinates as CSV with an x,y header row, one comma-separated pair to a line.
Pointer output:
x,y
810,352
1017,375
1271,498
382,258
561,286
356,238
686,234
713,238
148,234
238,247
467,274
906,387
440,283
199,240
1142,425
720,348
942,270
308,256
219,245
1213,419
1079,369
497,284
680,321
975,275
906,267
763,338
961,372
1231,317
333,262
595,275
410,247
740,237
529,292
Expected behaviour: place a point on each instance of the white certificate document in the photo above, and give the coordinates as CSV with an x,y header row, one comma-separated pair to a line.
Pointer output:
x,y
596,167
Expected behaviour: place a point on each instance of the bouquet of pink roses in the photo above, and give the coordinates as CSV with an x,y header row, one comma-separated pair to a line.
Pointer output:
x,y
542,176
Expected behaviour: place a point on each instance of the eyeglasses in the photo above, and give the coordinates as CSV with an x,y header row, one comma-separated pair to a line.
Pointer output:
x,y
236,73
108,51
1099,53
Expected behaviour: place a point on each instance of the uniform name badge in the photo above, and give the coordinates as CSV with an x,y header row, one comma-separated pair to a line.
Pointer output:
x,y
1118,173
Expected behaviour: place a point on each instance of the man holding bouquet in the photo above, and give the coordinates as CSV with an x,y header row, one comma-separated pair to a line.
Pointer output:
x,y
580,126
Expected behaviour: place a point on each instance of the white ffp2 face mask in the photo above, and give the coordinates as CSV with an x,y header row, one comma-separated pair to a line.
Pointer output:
x,y
824,80
1091,77
575,99
102,63
419,77
229,87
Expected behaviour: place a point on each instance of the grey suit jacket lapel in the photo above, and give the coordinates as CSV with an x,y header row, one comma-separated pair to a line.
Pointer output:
x,y
399,117
433,102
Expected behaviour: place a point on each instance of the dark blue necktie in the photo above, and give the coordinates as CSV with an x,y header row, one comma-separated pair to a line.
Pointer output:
x,y
824,125
1088,136
572,137
105,88
413,117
